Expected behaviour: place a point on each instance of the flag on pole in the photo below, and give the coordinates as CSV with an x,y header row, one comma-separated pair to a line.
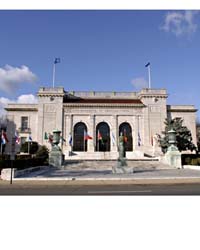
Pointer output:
x,y
57,60
87,136
29,139
99,136
151,140
148,64
17,138
113,139
62,139
4,138
70,139
50,138
45,136
139,139
125,137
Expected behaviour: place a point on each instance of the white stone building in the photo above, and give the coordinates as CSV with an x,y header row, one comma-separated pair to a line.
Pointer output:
x,y
138,115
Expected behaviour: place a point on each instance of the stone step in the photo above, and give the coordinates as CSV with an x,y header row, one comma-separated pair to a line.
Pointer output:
x,y
107,165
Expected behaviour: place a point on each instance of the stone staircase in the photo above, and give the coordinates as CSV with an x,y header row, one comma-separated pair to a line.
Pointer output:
x,y
148,164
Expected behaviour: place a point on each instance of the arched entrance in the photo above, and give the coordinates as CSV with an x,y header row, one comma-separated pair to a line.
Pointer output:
x,y
126,131
102,137
79,143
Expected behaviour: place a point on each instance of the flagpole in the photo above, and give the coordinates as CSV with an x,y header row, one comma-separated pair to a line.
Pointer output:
x,y
54,73
138,130
149,73
28,147
1,142
84,140
98,141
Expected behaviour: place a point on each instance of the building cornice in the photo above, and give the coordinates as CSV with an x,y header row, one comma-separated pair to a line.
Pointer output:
x,y
54,92
153,96
21,109
182,110
102,105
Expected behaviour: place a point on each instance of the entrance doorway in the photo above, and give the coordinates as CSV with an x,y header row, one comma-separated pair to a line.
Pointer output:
x,y
79,143
102,137
126,131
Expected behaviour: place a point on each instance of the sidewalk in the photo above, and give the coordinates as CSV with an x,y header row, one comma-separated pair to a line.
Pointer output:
x,y
143,176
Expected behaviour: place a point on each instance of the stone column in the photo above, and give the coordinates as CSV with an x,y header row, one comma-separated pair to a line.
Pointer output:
x,y
68,130
114,146
138,131
134,132
91,133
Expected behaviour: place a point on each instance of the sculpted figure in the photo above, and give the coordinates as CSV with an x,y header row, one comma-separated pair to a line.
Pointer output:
x,y
121,146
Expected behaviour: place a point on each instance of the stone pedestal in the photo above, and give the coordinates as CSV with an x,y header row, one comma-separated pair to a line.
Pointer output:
x,y
56,158
121,167
173,157
6,173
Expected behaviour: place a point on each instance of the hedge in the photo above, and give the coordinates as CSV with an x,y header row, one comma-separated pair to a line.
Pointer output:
x,y
23,163
190,159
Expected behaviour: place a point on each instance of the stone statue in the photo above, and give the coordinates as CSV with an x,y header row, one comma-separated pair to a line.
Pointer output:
x,y
121,166
121,146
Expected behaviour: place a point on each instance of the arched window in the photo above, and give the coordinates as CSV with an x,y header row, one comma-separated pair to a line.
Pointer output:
x,y
126,131
102,137
79,144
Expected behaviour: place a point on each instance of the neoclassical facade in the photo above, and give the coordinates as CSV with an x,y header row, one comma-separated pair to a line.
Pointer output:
x,y
139,116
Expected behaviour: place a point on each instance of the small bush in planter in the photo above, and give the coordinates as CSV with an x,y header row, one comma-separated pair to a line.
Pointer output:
x,y
42,152
33,147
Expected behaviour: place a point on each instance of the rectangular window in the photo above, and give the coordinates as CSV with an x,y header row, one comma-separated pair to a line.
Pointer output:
x,y
24,123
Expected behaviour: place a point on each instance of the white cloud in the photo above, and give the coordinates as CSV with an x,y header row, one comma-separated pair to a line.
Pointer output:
x,y
21,99
27,99
139,83
180,23
12,77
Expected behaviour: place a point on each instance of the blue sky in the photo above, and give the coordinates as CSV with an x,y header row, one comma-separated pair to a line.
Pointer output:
x,y
101,50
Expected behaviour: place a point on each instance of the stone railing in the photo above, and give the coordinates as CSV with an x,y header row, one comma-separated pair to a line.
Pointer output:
x,y
153,91
103,94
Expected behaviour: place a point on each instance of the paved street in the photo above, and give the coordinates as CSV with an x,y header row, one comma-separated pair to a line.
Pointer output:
x,y
99,188
95,182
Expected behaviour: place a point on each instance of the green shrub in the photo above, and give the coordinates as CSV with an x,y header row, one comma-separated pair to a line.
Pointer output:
x,y
23,161
4,157
42,152
190,159
187,160
23,157
33,147
194,161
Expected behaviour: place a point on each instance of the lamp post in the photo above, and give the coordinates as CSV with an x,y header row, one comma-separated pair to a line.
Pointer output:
x,y
172,140
56,137
173,156
55,156
172,136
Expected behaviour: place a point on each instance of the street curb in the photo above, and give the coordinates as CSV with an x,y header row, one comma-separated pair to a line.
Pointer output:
x,y
110,181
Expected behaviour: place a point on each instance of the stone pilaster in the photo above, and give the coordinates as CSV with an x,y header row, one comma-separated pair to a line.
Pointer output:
x,y
114,132
91,132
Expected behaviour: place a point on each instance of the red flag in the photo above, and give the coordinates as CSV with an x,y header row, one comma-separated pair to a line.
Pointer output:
x,y
125,137
87,136
99,136
4,137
